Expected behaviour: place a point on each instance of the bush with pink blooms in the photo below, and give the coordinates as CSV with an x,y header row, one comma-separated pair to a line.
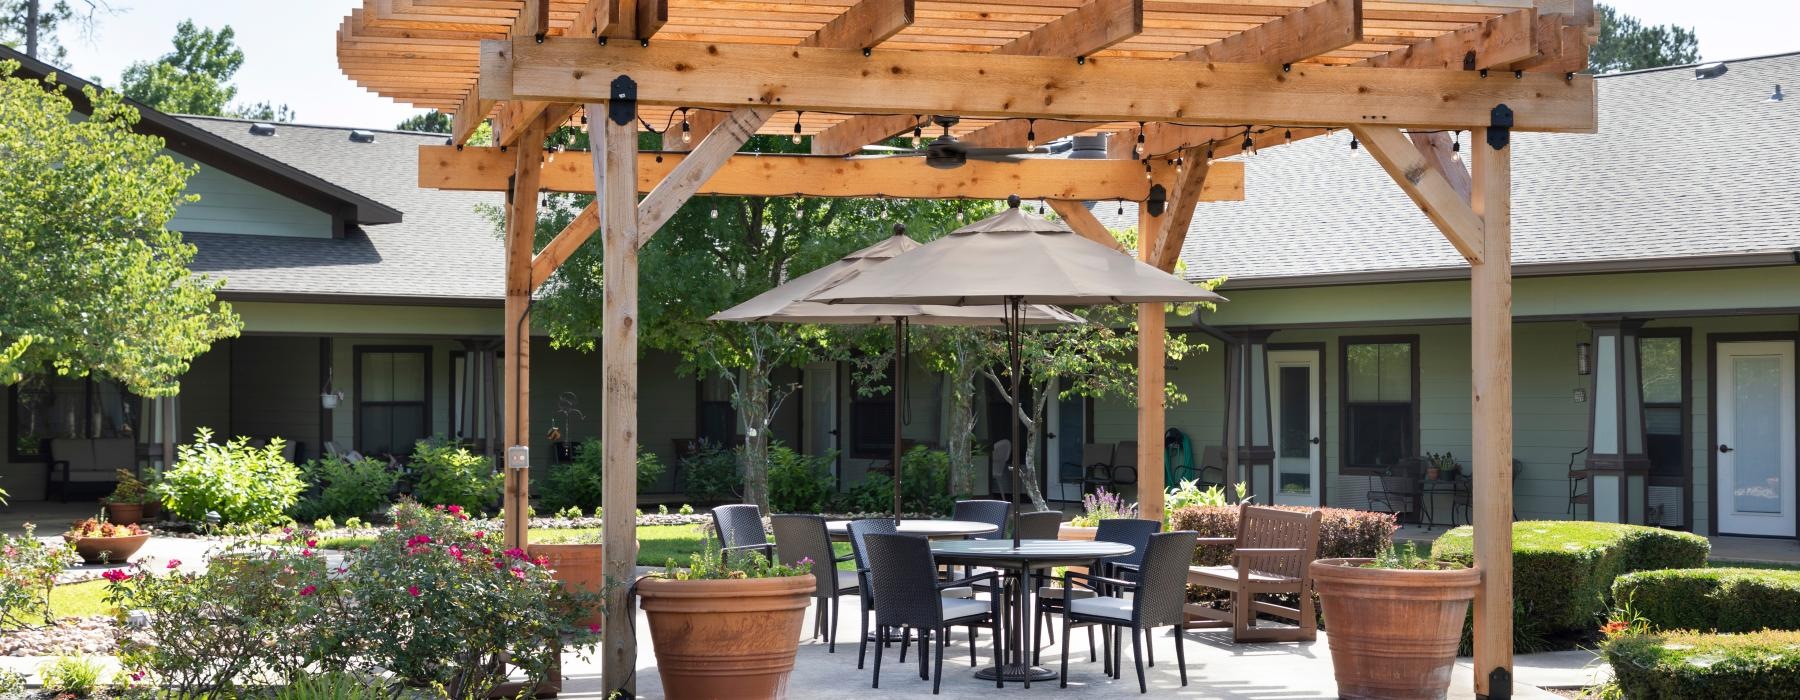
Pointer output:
x,y
28,569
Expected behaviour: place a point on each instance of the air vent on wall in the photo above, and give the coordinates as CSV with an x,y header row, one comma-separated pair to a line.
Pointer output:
x,y
361,136
262,129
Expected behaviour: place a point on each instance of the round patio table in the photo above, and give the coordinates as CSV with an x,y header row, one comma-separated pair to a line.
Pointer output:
x,y
1018,563
930,529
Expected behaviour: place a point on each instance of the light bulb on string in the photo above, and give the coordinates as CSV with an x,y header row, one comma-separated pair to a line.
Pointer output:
x,y
1354,144
687,131
1137,149
797,127
1287,136
1031,134
1148,176
1249,144
1209,153
1455,141
1177,166
1121,211
715,211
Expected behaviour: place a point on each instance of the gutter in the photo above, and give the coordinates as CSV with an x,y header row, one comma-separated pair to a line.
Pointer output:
x,y
1557,269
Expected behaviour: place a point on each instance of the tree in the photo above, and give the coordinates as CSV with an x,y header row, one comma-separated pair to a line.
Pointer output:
x,y
431,122
91,274
32,25
195,78
1627,44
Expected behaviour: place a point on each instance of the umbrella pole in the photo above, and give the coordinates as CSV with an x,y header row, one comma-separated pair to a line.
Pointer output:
x,y
1014,319
899,387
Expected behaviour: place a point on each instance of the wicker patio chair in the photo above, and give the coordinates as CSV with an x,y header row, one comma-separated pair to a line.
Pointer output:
x,y
859,532
1270,555
1040,525
741,531
804,537
1131,531
1156,599
995,513
907,595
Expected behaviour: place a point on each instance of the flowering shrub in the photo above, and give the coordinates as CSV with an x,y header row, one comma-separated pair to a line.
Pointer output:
x,y
244,485
1342,532
1103,505
28,569
94,528
448,474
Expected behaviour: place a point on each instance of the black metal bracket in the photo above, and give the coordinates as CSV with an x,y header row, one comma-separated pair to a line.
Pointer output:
x,y
1500,684
1469,61
621,101
512,182
1500,124
1158,200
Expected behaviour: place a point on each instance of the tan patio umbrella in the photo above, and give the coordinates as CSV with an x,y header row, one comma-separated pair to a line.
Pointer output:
x,y
787,304
1013,258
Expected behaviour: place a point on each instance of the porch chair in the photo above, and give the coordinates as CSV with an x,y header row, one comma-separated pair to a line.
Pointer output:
x,y
908,595
740,529
999,461
1581,488
1270,555
1096,466
1397,489
1125,465
804,537
1155,600
94,461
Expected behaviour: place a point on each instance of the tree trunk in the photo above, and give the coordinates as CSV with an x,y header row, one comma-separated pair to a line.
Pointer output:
x,y
31,28
1028,472
965,475
753,412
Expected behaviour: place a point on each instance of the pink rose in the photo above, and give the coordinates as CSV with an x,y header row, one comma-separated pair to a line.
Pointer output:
x,y
174,563
414,590
309,590
116,575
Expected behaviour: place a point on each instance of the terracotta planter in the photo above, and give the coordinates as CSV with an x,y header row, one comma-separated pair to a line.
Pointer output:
x,y
108,550
1393,633
578,567
1075,532
153,511
124,513
726,639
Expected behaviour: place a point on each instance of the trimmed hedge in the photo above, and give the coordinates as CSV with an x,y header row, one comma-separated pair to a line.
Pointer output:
x,y
1720,600
1563,571
1751,666
1342,532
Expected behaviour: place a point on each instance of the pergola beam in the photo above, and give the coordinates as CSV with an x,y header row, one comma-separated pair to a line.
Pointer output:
x,y
1085,30
1291,38
986,85
1083,221
1427,187
682,181
754,175
1492,44
1189,181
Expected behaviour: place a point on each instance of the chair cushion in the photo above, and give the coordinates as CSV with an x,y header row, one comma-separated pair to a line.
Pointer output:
x,y
958,592
846,580
1056,592
1102,606
1230,573
956,608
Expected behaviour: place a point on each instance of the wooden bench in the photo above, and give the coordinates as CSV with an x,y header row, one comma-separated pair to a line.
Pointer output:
x,y
1270,555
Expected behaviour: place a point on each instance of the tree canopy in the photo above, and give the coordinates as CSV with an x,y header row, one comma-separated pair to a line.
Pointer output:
x,y
1627,44
432,121
94,280
195,78
35,32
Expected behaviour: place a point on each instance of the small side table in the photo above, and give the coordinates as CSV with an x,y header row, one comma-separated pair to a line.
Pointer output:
x,y
1429,489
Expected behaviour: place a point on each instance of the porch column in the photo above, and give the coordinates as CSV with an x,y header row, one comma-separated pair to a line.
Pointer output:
x,y
1152,322
1618,469
1249,414
1490,318
521,234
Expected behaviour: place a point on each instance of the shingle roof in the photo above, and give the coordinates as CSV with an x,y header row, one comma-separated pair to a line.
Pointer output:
x,y
442,250
1684,173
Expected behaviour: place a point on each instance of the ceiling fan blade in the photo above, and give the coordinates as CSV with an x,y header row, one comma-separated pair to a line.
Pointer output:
x,y
878,147
872,156
1014,157
985,152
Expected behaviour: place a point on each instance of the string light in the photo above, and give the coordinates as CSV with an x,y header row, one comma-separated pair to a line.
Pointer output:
x,y
1137,149
687,131
1455,141
797,127
1121,211
1148,176
1177,166
918,131
715,211
1249,145
1031,134
959,212
1287,136
1354,144
1209,152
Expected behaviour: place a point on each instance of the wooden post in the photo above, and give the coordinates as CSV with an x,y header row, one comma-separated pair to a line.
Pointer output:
x,y
1490,318
614,148
521,234
1151,324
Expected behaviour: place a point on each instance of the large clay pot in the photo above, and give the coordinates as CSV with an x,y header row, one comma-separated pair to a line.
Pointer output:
x,y
153,511
579,567
108,550
1074,532
733,638
124,513
1393,632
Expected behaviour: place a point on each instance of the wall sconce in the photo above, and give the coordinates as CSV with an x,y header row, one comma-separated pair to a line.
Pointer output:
x,y
1584,359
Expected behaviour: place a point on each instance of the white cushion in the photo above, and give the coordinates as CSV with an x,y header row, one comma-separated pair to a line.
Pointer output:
x,y
1056,592
963,607
846,580
1104,606
958,592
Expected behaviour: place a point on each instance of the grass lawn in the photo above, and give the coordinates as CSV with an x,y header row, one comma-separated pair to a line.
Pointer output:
x,y
1725,564
85,599
656,543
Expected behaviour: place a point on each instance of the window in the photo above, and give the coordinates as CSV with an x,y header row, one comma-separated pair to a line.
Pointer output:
x,y
46,407
1663,377
1380,402
872,413
717,419
393,399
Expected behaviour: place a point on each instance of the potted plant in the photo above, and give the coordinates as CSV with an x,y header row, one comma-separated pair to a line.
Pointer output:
x,y
1097,506
1395,621
726,627
98,542
1440,466
126,504
577,562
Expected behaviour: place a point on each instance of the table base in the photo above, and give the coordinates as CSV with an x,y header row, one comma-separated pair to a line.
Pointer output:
x,y
1016,673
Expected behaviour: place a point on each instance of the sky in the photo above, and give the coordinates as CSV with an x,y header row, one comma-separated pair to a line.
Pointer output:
x,y
290,54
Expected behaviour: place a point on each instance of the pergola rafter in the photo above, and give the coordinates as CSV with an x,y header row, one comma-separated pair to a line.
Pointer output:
x,y
1195,81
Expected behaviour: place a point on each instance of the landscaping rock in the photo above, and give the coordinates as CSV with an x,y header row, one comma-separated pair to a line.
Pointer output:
x,y
87,635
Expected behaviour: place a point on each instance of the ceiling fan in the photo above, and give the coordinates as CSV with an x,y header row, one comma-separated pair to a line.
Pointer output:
x,y
947,153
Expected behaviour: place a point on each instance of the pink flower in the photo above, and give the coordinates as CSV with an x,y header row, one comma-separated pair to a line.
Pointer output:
x,y
456,552
137,675
174,563
306,552
593,629
481,534
515,553
456,510
309,590
414,590
312,543
116,575
518,573
541,560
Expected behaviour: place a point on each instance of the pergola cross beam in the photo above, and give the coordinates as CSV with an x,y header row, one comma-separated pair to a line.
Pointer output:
x,y
1428,188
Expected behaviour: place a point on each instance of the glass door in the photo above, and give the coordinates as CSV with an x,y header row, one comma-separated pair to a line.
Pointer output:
x,y
1755,441
1294,386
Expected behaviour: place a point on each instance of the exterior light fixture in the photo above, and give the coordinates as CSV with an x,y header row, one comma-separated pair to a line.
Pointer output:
x,y
1584,359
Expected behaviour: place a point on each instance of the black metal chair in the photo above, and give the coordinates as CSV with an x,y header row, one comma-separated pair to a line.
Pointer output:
x,y
1397,489
804,537
741,531
994,513
859,531
907,595
1040,525
1130,531
1095,466
1156,601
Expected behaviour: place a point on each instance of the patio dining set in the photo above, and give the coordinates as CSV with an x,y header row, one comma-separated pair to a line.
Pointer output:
x,y
987,566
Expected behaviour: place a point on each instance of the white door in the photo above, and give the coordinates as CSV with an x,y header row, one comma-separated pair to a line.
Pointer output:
x,y
820,422
1294,394
1755,385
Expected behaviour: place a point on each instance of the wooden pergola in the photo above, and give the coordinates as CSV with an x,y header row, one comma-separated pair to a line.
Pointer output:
x,y
1177,83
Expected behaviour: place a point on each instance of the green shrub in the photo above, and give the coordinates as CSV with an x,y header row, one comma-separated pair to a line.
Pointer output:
x,y
712,474
580,483
340,488
447,474
12,683
28,569
925,481
1343,532
1749,666
79,676
799,483
244,485
332,686
1716,600
1563,571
